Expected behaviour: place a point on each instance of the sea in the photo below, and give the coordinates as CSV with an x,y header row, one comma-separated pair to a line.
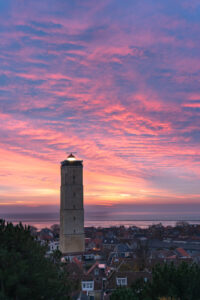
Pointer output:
x,y
47,220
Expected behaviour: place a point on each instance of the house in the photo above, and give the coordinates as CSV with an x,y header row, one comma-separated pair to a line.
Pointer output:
x,y
53,246
98,244
70,257
88,256
94,244
97,270
125,279
182,253
46,235
91,287
162,254
110,243
75,273
122,250
75,269
87,286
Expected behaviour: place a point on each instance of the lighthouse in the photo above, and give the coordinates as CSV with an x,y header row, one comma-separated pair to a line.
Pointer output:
x,y
71,206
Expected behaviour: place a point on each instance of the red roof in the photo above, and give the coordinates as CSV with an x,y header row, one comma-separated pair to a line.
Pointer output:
x,y
92,268
78,262
182,252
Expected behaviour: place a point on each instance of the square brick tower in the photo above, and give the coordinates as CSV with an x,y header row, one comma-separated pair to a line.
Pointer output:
x,y
72,238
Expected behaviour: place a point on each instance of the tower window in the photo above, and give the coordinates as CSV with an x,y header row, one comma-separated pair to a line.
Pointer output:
x,y
74,194
74,206
74,231
74,178
74,218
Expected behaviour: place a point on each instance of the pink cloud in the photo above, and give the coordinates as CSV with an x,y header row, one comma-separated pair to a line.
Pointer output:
x,y
119,96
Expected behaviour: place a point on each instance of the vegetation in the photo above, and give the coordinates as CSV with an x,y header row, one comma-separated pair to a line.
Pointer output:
x,y
180,282
123,294
25,272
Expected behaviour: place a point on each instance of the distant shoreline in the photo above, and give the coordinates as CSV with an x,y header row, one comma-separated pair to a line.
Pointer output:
x,y
41,221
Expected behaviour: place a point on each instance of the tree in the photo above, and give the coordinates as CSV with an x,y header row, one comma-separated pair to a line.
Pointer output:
x,y
168,282
179,282
25,272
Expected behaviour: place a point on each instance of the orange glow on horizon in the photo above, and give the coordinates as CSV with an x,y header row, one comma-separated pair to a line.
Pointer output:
x,y
37,183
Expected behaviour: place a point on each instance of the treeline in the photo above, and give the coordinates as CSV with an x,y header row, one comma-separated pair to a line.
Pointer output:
x,y
25,272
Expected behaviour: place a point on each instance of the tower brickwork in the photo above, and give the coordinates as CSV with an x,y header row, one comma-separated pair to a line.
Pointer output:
x,y
71,206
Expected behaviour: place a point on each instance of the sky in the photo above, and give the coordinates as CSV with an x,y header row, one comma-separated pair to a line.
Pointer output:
x,y
115,81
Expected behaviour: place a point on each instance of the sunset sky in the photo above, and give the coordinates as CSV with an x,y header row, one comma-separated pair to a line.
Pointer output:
x,y
117,82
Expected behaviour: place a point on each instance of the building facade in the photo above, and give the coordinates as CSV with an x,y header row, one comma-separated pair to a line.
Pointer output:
x,y
71,206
